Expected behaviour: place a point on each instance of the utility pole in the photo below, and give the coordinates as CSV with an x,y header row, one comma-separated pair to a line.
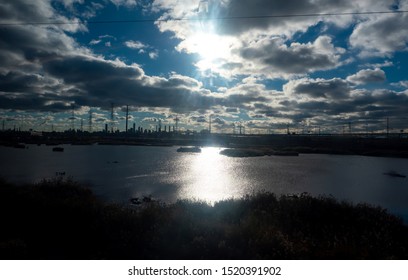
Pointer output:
x,y
112,117
73,116
90,121
127,117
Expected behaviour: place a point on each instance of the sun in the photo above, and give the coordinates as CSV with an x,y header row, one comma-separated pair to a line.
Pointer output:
x,y
210,47
205,44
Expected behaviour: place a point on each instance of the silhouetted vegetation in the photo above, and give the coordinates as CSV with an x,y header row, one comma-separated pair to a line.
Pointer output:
x,y
62,220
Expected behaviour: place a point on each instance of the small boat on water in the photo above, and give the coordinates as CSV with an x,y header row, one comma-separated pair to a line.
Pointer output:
x,y
394,174
189,150
58,149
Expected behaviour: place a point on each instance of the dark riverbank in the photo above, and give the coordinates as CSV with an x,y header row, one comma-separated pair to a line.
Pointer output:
x,y
393,145
63,220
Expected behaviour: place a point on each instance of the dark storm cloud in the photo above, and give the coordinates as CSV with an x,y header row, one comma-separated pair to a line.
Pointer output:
x,y
18,82
25,10
51,70
239,8
32,44
43,68
295,58
32,102
359,107
103,82
333,89
81,69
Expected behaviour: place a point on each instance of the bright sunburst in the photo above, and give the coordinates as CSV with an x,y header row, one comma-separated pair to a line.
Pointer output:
x,y
206,45
210,47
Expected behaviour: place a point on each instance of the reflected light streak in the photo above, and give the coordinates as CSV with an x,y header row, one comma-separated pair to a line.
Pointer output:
x,y
211,178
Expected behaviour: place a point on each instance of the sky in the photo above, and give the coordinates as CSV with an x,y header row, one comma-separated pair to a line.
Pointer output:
x,y
312,65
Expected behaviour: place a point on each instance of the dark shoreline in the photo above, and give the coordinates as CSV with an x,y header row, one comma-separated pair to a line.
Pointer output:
x,y
63,220
380,145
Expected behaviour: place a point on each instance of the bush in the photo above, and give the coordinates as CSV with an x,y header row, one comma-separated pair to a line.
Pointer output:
x,y
60,219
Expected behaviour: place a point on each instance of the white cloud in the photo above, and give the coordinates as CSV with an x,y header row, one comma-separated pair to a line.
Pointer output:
x,y
95,42
154,54
403,84
135,45
57,71
381,35
367,76
126,3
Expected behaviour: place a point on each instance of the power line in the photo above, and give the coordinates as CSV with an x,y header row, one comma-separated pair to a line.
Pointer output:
x,y
201,18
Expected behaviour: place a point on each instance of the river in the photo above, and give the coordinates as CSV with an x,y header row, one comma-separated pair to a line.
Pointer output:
x,y
118,173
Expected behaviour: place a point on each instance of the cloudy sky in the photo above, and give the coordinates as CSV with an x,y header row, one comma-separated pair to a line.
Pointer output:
x,y
265,64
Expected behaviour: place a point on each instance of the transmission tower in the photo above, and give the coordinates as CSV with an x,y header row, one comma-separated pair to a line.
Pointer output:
x,y
90,121
112,116
127,117
177,120
73,117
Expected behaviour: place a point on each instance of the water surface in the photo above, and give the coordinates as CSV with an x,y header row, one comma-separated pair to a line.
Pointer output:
x,y
118,173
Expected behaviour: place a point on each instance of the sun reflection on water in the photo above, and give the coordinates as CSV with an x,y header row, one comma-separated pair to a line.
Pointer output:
x,y
211,177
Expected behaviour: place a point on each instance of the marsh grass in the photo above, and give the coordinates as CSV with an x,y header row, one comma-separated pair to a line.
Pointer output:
x,y
60,219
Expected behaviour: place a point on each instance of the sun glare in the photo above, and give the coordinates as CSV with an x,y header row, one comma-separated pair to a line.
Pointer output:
x,y
206,45
211,180
210,47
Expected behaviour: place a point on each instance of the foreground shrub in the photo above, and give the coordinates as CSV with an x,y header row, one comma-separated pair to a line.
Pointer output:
x,y
62,220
